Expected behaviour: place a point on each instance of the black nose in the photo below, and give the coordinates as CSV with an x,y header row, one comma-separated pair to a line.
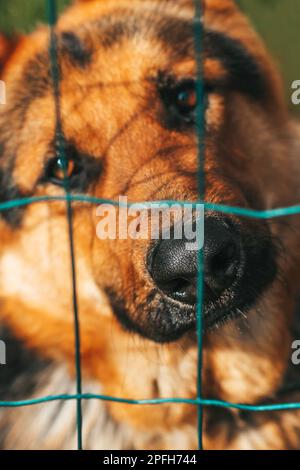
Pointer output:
x,y
174,268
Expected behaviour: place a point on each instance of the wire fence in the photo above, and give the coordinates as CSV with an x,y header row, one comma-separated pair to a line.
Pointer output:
x,y
199,402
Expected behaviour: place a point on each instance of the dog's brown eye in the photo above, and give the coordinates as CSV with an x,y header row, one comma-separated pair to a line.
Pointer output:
x,y
186,98
76,170
180,100
59,170
63,169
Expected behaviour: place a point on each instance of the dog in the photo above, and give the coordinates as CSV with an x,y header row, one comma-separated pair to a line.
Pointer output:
x,y
128,99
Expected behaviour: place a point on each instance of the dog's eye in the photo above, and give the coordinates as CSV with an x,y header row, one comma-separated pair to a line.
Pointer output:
x,y
77,169
59,170
185,98
180,99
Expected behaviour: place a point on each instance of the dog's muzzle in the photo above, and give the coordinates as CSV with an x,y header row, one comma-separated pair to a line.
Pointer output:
x,y
238,264
174,267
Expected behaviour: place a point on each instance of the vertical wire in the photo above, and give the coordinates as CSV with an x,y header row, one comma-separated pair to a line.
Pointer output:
x,y
62,158
200,126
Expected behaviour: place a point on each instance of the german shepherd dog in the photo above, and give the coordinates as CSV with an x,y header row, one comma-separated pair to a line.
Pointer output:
x,y
128,103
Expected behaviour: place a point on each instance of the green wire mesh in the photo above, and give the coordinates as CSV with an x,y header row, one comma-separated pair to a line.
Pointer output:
x,y
199,402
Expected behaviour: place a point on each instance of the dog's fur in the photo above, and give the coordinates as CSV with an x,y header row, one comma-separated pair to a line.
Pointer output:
x,y
114,55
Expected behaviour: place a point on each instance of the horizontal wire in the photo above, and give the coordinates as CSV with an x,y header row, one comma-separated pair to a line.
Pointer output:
x,y
154,401
263,214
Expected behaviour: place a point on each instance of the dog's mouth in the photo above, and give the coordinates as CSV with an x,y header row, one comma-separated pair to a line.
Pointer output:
x,y
169,321
165,320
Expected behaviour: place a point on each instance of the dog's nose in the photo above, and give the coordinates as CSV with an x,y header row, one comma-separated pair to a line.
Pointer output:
x,y
174,267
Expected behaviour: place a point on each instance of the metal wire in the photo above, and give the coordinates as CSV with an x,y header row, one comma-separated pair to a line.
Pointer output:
x,y
199,402
60,145
200,128
222,208
154,401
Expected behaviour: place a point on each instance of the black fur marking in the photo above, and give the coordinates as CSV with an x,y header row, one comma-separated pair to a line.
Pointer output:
x,y
18,377
245,74
36,79
115,31
9,192
75,49
34,83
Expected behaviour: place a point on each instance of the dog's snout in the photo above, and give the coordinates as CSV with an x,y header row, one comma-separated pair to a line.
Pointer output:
x,y
174,267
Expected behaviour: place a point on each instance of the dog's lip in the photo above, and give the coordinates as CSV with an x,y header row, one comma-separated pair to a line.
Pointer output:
x,y
219,316
212,314
213,319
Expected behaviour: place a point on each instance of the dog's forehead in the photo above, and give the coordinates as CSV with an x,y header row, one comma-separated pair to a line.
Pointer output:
x,y
161,33
151,35
122,46
144,39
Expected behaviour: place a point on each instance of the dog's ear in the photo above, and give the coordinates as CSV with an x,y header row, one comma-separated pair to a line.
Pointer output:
x,y
8,45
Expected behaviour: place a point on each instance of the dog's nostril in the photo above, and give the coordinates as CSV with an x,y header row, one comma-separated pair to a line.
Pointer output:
x,y
174,270
223,261
174,267
181,290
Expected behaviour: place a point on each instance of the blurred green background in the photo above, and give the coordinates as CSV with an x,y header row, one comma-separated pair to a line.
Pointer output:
x,y
277,21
